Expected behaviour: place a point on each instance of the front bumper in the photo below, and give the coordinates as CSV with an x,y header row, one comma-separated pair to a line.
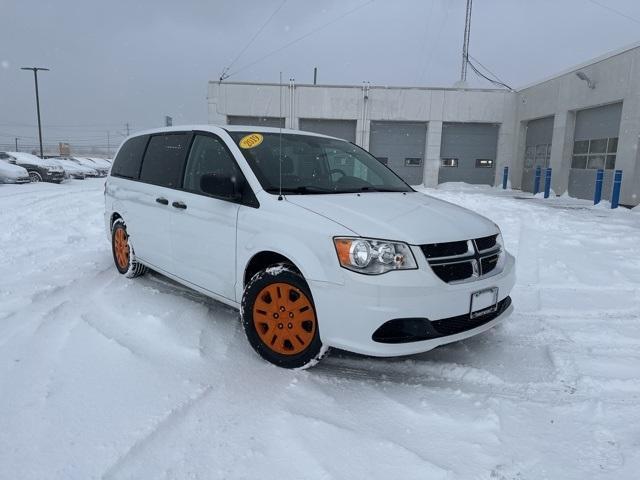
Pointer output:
x,y
350,314
53,176
15,180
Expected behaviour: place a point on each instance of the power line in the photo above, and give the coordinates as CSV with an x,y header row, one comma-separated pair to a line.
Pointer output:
x,y
617,12
495,82
224,72
308,34
490,72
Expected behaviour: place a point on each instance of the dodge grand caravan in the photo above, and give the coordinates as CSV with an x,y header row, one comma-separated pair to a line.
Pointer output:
x,y
315,241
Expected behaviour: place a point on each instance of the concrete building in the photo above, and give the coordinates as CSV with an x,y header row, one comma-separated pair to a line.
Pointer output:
x,y
585,118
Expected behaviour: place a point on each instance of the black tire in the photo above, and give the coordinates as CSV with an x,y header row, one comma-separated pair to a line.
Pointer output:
x,y
308,349
35,176
127,264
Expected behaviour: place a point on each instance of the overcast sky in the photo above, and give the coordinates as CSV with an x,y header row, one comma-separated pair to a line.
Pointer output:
x,y
134,61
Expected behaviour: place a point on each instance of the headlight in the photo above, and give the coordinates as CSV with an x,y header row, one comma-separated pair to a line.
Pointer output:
x,y
373,257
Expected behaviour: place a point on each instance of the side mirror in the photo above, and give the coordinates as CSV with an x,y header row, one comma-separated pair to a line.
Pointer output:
x,y
225,187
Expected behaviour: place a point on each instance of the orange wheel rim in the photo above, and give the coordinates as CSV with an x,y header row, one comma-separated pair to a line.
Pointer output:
x,y
121,248
284,318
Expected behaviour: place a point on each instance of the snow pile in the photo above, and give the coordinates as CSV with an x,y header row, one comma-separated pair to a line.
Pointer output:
x,y
104,377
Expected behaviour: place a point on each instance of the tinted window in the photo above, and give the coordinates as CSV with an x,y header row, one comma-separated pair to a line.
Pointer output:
x,y
127,162
164,159
208,157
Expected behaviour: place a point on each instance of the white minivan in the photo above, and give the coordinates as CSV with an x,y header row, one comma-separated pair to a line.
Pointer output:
x,y
314,240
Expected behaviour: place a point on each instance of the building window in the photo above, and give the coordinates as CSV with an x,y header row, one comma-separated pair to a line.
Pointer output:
x,y
529,156
599,153
537,155
412,161
383,160
484,163
449,162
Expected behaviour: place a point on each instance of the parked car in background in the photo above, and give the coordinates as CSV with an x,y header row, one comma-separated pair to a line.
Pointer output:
x,y
11,173
102,162
103,170
72,169
89,168
40,169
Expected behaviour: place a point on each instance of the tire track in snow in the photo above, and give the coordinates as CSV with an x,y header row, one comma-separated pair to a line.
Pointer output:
x,y
169,421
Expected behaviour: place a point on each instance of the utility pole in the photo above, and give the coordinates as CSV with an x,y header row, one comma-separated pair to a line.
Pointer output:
x,y
35,78
465,44
16,144
127,126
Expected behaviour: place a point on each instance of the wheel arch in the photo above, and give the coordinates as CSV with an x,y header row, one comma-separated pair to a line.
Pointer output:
x,y
264,259
115,216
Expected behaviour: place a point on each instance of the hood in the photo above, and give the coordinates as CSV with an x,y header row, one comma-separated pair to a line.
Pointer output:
x,y
27,158
9,170
413,217
70,166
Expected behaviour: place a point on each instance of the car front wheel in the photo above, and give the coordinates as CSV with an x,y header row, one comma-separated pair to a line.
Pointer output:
x,y
279,318
35,177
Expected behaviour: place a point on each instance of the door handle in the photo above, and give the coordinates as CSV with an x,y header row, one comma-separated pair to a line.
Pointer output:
x,y
179,205
162,200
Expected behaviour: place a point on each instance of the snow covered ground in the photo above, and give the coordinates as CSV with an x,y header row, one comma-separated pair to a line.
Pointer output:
x,y
103,377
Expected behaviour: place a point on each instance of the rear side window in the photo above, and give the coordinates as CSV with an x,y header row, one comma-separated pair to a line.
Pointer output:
x,y
127,162
164,159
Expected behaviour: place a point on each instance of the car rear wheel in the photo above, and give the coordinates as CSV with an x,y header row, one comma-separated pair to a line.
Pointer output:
x,y
279,318
123,253
35,177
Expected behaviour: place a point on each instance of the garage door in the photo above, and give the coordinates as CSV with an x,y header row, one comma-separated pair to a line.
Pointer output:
x,y
595,146
468,153
537,151
256,121
401,146
345,129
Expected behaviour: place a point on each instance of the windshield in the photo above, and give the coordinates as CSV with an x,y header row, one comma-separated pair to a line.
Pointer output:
x,y
314,165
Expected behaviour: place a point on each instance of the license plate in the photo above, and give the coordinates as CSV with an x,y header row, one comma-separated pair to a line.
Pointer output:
x,y
484,301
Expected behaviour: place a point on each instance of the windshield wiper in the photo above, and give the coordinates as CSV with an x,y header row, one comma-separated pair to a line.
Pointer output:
x,y
375,189
302,190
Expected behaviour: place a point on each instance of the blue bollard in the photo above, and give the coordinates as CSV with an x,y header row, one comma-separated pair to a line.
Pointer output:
x,y
536,180
547,182
597,195
617,183
505,177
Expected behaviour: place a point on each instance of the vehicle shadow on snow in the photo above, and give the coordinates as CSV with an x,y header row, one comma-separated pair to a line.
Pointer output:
x,y
427,367
484,358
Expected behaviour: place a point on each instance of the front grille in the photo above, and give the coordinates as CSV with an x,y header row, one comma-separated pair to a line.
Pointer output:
x,y
447,249
407,330
463,260
462,323
452,272
485,243
489,263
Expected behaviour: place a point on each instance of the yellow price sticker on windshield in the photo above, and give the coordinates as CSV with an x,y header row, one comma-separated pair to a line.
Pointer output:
x,y
252,140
